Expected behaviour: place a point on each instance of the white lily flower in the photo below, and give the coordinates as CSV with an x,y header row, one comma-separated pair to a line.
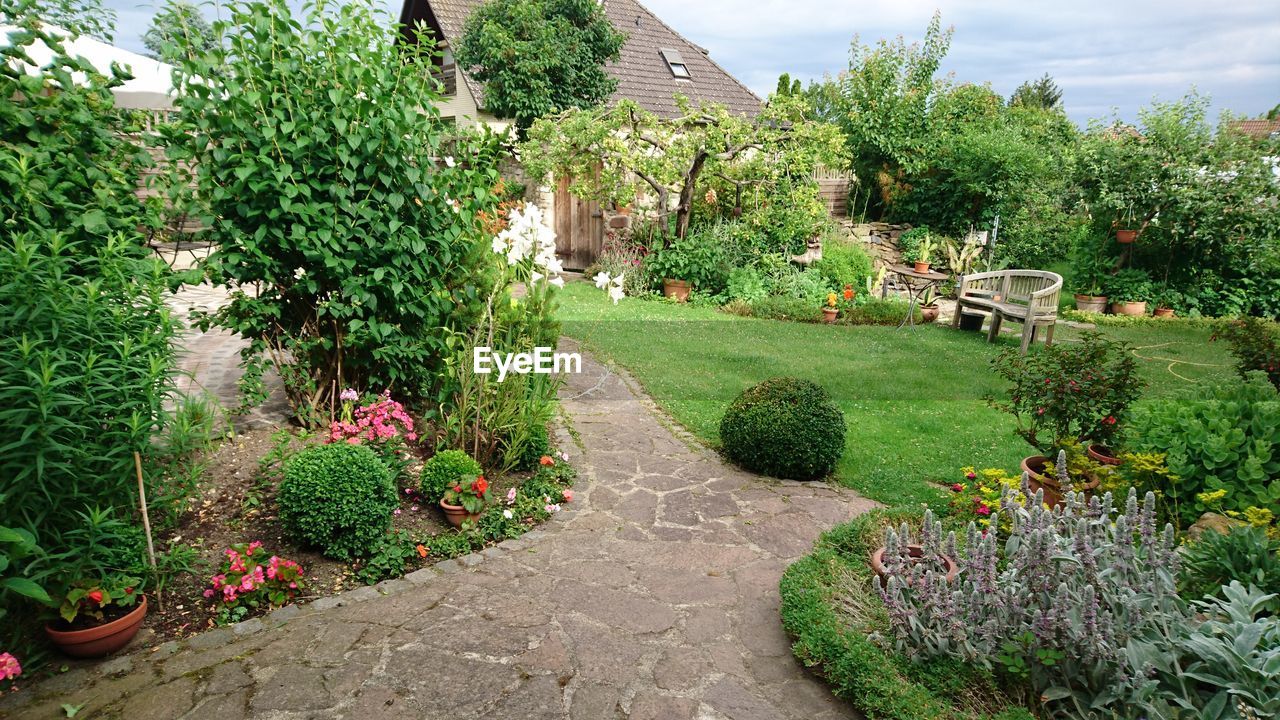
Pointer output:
x,y
616,293
449,162
617,282
499,245
557,281
602,279
536,276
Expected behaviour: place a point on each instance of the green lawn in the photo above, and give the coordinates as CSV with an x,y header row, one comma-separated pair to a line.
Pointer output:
x,y
912,398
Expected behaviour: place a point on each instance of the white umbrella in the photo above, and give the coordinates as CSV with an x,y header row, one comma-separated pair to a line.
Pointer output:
x,y
150,89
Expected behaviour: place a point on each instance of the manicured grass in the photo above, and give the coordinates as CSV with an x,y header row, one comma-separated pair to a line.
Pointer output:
x,y
912,398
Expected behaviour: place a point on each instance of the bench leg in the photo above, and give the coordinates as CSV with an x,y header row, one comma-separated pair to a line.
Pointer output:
x,y
1028,332
1048,337
955,319
995,326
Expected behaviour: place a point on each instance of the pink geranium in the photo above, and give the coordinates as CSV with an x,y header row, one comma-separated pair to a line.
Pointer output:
x,y
9,667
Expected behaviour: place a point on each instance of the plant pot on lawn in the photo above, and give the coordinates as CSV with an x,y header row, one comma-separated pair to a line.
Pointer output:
x,y
1091,303
99,640
676,289
929,312
917,556
1132,309
1163,312
1103,454
829,315
1039,479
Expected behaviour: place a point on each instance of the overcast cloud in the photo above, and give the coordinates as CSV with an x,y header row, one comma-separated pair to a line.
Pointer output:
x,y
1104,54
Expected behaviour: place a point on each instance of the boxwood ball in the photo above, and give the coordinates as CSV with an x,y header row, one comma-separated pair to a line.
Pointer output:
x,y
784,427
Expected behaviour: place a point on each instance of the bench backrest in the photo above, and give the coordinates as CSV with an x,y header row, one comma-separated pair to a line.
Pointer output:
x,y
1036,288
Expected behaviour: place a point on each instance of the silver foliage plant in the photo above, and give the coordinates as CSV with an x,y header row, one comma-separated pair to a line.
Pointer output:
x,y
1057,608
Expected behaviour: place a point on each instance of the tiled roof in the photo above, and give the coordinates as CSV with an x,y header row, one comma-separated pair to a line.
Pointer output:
x,y
1257,128
643,75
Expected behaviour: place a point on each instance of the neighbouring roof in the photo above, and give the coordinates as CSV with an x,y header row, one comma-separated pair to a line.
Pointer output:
x,y
1257,128
642,70
150,88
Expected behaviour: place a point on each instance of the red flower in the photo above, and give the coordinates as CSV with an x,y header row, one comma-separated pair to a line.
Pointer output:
x,y
971,476
546,460
848,292
1109,420
480,485
983,510
457,488
95,596
957,488
422,550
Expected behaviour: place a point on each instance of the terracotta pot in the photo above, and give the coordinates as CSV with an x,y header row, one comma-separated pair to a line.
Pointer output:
x,y
1133,309
929,312
1102,454
624,209
456,514
101,640
1038,479
1124,237
678,289
1163,312
1091,303
917,553
829,314
922,267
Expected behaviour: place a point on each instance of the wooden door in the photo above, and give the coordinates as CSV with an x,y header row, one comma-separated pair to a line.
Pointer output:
x,y
579,228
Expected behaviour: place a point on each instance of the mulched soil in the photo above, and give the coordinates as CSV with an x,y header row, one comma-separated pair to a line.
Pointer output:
x,y
236,504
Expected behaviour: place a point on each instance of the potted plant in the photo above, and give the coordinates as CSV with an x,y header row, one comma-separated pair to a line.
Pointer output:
x,y
909,244
1129,290
1125,234
1091,263
924,254
684,265
1062,395
465,501
1165,300
928,306
908,561
830,311
97,618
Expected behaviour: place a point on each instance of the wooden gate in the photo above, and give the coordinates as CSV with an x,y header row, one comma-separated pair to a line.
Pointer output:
x,y
579,228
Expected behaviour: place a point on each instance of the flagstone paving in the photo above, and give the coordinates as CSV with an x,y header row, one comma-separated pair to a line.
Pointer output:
x,y
654,596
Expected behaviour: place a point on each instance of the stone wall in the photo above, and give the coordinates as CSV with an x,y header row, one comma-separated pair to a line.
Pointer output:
x,y
880,240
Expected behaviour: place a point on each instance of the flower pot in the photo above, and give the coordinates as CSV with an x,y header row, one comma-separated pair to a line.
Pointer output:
x,y
1132,309
1102,454
456,514
1091,303
677,289
101,640
829,314
1038,479
1163,312
922,267
917,554
929,312
1124,237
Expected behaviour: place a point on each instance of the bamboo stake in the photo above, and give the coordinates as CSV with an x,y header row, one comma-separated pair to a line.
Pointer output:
x,y
146,523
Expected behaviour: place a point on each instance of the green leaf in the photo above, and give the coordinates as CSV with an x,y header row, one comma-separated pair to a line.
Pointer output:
x,y
26,588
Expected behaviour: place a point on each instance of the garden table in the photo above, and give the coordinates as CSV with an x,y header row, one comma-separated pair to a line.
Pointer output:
x,y
916,283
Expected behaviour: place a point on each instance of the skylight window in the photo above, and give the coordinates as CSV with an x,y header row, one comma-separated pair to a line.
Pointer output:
x,y
678,68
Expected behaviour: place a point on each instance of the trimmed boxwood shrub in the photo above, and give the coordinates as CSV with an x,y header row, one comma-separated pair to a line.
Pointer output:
x,y
444,470
338,498
839,643
784,427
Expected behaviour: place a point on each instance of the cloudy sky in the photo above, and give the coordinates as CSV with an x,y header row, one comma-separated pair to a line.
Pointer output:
x,y
1104,54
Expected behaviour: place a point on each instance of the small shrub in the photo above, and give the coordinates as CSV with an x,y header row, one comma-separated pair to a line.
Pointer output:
x,y
786,428
444,470
878,311
1221,442
746,284
778,307
338,498
843,263
1256,345
1246,555
388,558
249,580
536,445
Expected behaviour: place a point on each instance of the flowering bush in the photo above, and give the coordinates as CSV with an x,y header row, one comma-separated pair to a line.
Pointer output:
x,y
444,470
9,667
250,580
1069,392
976,498
1056,608
1255,344
382,423
470,493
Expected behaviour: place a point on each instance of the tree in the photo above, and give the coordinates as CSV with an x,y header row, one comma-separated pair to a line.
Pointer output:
x,y
641,152
178,31
787,86
1043,93
538,57
1274,112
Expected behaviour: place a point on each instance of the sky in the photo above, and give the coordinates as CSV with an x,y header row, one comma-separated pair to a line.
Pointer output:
x,y
1106,55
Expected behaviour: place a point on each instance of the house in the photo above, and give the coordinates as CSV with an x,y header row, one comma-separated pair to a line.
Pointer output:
x,y
1260,129
655,64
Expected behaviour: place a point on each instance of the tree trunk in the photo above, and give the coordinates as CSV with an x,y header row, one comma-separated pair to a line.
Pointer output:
x,y
685,209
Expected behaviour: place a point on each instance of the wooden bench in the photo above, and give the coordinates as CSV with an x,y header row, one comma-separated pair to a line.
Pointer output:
x,y
1026,296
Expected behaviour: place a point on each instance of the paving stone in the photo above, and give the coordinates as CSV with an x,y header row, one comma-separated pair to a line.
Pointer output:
x,y
654,706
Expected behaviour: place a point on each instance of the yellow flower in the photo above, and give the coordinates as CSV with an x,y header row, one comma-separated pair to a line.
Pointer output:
x,y
1211,497
831,299
1259,517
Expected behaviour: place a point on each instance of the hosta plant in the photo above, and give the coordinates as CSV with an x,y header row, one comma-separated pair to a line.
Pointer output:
x,y
1051,603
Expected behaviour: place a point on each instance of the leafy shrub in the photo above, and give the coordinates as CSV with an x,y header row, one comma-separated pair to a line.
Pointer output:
x,y
1128,285
388,557
877,311
746,284
777,307
828,606
784,427
1068,392
695,259
1221,442
1255,344
444,470
625,258
361,247
1247,555
249,580
1054,608
807,285
843,263
537,447
338,498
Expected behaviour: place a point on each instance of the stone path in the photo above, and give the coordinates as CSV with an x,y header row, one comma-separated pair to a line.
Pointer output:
x,y
655,596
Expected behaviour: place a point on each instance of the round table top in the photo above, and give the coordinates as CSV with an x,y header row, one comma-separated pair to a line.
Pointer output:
x,y
910,271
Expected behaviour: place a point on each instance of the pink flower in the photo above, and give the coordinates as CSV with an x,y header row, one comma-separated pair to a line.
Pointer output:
x,y
9,667
396,512
414,508
971,476
568,495
511,496
957,488
552,508
983,510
